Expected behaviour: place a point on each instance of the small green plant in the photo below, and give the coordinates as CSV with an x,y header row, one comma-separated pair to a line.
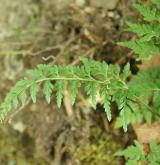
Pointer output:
x,y
136,154
145,93
94,76
136,102
147,43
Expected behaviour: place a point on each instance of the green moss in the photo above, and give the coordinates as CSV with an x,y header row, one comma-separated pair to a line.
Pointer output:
x,y
99,150
17,148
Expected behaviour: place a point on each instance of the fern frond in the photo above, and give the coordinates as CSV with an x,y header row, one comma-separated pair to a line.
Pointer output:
x,y
130,117
156,2
149,14
136,154
143,49
92,75
138,108
148,42
153,156
13,97
146,32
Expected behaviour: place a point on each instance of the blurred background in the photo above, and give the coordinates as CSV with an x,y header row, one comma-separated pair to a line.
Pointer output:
x,y
59,32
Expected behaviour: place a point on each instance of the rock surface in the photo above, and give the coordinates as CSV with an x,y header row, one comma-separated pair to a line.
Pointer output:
x,y
107,4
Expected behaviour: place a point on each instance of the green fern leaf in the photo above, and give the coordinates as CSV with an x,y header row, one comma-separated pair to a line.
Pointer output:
x,y
153,156
33,92
116,70
156,2
132,162
35,73
91,90
15,102
74,87
145,31
126,72
87,65
48,87
23,98
60,86
149,14
133,152
143,49
123,118
106,100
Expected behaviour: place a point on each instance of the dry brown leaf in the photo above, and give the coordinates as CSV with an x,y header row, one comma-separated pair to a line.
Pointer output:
x,y
147,133
152,63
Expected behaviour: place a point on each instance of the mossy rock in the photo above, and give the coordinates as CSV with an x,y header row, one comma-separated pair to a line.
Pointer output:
x,y
17,148
99,149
